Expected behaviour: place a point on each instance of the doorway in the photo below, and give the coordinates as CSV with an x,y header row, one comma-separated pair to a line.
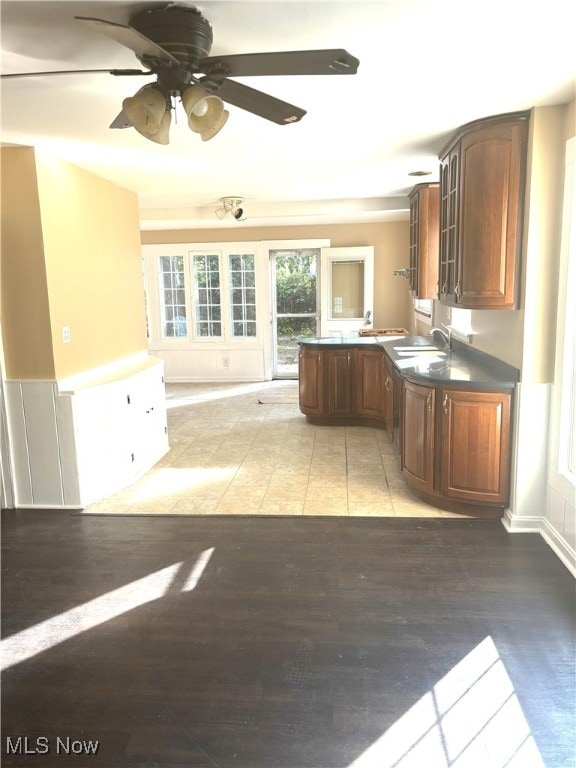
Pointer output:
x,y
295,305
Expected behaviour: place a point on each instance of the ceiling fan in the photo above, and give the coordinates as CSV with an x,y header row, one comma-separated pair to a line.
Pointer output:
x,y
173,43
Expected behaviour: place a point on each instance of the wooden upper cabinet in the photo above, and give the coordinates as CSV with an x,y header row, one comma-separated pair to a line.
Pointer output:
x,y
424,240
482,187
449,186
476,445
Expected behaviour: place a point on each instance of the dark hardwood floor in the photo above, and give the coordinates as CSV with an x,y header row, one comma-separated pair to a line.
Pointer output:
x,y
220,642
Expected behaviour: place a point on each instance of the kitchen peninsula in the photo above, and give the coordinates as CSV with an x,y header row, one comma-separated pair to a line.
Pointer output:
x,y
447,411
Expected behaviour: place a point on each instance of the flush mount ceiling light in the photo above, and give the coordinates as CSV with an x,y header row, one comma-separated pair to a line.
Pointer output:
x,y
232,206
419,173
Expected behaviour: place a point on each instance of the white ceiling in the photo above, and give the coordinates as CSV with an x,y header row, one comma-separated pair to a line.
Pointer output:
x,y
426,67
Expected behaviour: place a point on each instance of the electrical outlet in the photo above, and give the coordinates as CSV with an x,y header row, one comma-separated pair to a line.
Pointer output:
x,y
66,337
225,362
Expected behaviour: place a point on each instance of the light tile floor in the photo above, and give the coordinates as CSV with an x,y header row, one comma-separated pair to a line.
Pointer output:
x,y
232,455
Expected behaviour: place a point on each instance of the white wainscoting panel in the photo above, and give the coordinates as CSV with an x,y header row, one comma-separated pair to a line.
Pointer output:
x,y
202,365
70,447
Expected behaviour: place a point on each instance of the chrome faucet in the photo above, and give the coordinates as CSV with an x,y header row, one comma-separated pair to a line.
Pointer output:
x,y
446,337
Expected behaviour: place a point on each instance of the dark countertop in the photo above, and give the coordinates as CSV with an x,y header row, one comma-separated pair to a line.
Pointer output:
x,y
462,365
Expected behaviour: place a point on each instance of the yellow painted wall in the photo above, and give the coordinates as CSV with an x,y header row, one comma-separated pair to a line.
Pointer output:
x,y
392,304
93,263
24,291
70,257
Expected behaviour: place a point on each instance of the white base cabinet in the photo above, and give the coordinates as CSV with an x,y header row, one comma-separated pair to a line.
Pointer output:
x,y
79,440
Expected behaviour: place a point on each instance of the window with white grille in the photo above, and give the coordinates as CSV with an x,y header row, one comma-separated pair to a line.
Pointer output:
x,y
172,297
207,296
242,277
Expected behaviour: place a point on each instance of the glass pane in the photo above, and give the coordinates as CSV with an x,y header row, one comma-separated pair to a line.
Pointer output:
x,y
289,329
172,296
242,274
347,289
207,294
296,281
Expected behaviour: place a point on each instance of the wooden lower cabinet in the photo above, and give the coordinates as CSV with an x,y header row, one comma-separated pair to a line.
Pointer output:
x,y
456,443
339,382
370,375
342,386
476,446
311,381
389,400
418,432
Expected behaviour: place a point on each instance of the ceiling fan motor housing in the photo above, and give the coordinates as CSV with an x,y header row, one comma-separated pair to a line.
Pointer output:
x,y
181,30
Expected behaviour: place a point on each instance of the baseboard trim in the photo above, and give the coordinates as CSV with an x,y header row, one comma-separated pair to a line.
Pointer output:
x,y
560,547
542,526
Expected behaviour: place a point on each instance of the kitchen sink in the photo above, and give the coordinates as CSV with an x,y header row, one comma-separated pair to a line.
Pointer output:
x,y
417,348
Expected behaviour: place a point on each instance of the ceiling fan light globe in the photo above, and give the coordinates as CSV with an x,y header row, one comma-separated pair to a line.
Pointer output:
x,y
205,112
145,110
162,136
216,127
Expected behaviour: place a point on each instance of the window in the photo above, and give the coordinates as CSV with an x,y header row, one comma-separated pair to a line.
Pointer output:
x,y
172,296
214,294
423,307
242,294
207,304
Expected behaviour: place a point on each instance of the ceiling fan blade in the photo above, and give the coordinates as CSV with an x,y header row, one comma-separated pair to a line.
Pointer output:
x,y
335,61
254,101
121,121
116,72
131,38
